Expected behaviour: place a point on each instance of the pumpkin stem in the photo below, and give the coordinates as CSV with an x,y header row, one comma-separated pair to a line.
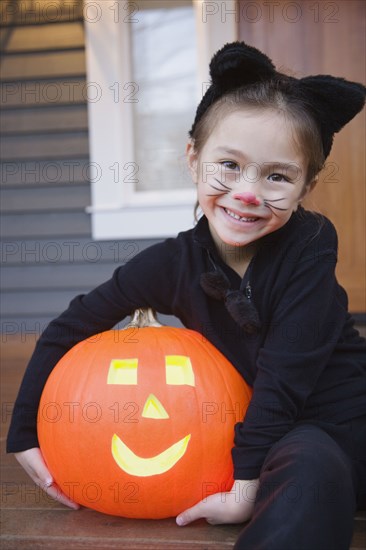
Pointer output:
x,y
143,318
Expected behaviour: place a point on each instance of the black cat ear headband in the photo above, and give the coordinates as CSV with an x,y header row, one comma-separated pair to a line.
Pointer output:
x,y
331,101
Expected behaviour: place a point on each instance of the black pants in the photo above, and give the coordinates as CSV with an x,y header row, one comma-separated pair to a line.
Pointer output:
x,y
311,484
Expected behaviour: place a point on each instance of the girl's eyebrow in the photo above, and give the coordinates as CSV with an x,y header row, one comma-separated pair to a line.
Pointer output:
x,y
229,151
290,165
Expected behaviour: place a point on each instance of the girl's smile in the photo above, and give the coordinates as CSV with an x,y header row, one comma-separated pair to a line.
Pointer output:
x,y
250,176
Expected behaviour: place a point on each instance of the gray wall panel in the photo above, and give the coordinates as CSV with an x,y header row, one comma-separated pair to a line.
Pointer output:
x,y
42,65
42,198
36,119
66,171
47,252
87,275
65,224
45,92
75,250
38,146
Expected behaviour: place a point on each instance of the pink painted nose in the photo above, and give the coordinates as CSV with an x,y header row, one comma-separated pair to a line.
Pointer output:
x,y
247,198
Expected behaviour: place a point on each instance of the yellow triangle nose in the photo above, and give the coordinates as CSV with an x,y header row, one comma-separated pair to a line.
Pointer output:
x,y
153,408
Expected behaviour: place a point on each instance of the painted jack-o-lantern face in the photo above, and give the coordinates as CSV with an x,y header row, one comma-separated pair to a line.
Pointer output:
x,y
141,425
178,371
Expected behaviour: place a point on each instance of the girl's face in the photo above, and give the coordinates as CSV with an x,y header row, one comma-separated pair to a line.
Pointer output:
x,y
250,176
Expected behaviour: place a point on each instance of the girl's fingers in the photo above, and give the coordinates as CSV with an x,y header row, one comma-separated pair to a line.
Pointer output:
x,y
218,508
55,492
41,474
191,514
33,463
208,508
35,466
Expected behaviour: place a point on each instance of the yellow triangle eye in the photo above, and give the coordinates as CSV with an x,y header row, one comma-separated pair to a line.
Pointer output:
x,y
179,371
153,408
123,371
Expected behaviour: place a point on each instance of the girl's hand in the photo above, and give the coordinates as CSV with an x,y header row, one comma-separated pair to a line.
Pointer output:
x,y
235,506
34,464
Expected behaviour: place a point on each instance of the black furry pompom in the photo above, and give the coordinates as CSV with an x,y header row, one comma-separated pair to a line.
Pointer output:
x,y
243,312
237,63
215,284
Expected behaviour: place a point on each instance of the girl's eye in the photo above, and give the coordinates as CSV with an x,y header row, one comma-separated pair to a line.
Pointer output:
x,y
278,177
230,165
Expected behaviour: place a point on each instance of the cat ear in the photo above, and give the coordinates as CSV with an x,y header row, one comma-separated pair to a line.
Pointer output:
x,y
234,65
237,63
334,101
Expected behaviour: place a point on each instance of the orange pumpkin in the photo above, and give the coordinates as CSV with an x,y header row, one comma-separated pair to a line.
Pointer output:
x,y
140,422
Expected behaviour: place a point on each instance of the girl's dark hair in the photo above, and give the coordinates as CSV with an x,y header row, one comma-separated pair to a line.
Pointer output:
x,y
271,95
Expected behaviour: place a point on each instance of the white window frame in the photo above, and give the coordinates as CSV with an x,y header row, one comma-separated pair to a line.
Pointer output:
x,y
118,211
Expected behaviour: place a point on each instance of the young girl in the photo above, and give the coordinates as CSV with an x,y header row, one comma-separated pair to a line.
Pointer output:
x,y
257,277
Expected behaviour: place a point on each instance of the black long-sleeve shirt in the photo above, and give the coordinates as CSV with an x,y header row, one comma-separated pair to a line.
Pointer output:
x,y
306,363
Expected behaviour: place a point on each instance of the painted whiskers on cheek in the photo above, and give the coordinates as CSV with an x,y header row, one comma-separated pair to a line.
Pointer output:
x,y
224,189
220,191
268,204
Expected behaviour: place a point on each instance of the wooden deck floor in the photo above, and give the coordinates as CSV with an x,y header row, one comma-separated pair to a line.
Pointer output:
x,y
30,520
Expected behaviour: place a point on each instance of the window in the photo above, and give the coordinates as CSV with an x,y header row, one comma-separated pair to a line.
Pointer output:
x,y
164,68
147,70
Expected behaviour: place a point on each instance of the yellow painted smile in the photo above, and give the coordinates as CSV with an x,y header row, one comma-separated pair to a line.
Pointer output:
x,y
134,465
